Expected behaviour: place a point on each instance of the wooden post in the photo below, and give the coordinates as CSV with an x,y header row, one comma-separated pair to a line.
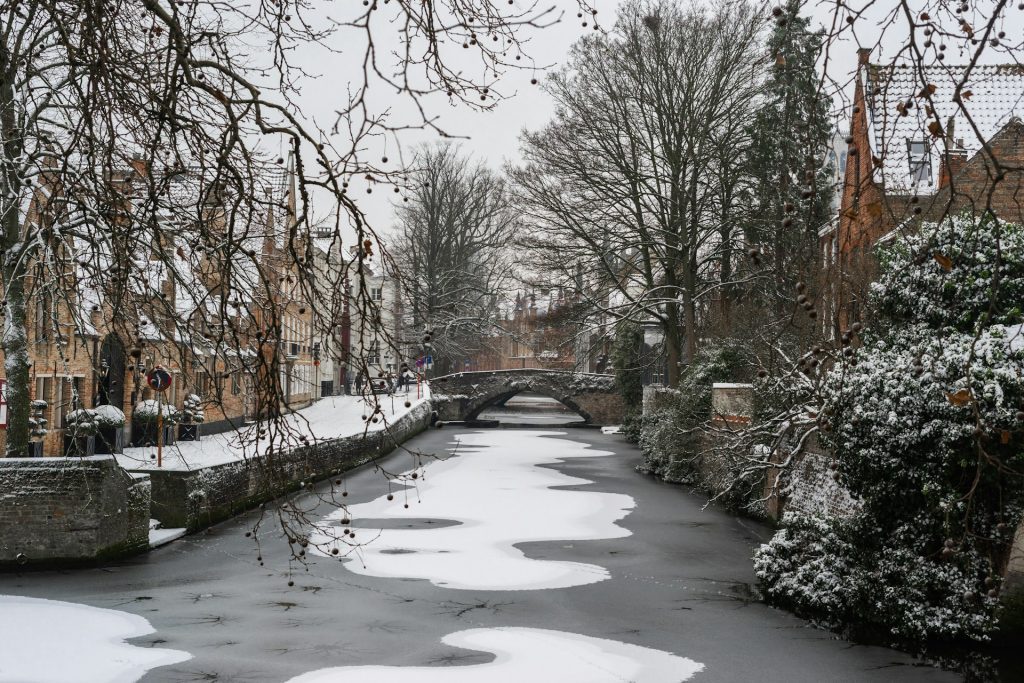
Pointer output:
x,y
159,431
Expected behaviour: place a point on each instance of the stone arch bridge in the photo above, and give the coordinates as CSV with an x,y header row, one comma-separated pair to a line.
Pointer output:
x,y
464,395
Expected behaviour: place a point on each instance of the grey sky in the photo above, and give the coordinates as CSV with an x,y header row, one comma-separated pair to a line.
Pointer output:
x,y
493,135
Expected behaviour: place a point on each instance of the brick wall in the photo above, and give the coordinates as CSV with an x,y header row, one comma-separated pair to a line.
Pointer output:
x,y
69,510
809,485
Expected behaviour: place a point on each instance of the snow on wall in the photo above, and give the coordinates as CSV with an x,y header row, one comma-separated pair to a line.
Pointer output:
x,y
810,488
197,498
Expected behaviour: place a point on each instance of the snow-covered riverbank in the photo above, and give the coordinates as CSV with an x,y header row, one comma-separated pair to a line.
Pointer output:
x,y
328,418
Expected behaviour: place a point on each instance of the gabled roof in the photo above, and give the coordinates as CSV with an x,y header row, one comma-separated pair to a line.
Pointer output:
x,y
996,97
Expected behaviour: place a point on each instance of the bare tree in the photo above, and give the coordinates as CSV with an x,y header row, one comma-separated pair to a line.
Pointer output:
x,y
453,252
138,196
627,189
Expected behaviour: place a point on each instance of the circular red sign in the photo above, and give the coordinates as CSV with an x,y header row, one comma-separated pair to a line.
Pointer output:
x,y
158,379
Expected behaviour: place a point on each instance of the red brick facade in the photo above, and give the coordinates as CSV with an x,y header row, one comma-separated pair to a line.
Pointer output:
x,y
990,179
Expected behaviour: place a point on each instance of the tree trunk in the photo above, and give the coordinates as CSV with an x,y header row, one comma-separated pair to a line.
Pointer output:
x,y
672,339
15,334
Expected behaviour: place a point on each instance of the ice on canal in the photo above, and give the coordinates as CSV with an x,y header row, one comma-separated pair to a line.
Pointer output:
x,y
527,654
494,495
47,641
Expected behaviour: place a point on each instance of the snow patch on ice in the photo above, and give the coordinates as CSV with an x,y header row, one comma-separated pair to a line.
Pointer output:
x,y
502,498
611,429
47,641
528,654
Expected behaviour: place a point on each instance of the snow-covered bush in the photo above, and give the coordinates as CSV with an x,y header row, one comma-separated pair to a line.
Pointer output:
x,y
108,416
628,361
926,423
37,424
81,422
961,274
671,435
147,411
662,441
192,410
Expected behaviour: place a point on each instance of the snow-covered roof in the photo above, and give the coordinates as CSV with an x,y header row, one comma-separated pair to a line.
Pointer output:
x,y
993,96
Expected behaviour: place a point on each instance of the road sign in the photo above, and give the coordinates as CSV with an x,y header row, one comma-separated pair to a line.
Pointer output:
x,y
419,362
158,379
430,361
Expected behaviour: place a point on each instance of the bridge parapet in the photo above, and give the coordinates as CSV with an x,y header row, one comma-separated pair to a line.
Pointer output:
x,y
464,395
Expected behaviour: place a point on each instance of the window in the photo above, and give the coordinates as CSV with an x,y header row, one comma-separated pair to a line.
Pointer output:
x,y
236,382
202,384
920,161
373,353
377,293
44,313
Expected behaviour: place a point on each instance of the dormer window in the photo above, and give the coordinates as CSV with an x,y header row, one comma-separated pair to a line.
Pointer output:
x,y
920,161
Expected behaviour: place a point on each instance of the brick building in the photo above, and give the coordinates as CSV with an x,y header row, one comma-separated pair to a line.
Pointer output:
x,y
216,334
922,144
537,331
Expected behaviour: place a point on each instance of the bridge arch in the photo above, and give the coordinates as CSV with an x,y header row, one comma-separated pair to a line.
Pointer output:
x,y
464,395
502,394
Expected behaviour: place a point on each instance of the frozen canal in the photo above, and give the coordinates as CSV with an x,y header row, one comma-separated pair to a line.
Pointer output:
x,y
536,555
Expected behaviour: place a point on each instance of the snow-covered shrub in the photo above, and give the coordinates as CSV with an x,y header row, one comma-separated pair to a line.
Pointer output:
x,y
108,416
845,573
926,423
961,274
192,410
37,424
671,435
81,422
147,411
661,438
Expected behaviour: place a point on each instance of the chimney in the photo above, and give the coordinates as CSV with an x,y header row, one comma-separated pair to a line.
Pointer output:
x,y
863,55
950,164
954,155
140,165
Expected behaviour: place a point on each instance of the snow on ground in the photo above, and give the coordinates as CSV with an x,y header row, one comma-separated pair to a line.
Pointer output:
x,y
528,654
611,429
159,537
46,641
328,418
499,497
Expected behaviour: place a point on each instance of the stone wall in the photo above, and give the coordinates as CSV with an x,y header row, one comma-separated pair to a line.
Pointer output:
x,y
462,396
198,498
70,510
809,486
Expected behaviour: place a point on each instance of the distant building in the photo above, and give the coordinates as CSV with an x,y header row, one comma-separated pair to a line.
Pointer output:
x,y
376,333
536,331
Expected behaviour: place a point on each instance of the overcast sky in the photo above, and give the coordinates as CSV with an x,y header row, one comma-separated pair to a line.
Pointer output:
x,y
493,135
